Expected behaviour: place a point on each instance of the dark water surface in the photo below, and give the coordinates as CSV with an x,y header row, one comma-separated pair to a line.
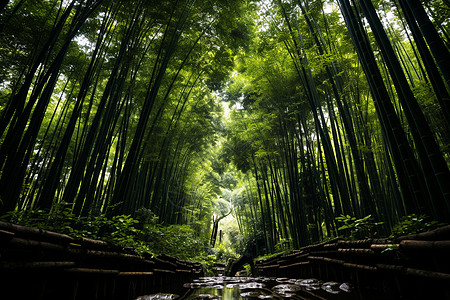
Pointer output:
x,y
233,288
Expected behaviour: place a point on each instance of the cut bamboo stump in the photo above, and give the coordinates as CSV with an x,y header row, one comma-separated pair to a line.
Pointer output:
x,y
40,264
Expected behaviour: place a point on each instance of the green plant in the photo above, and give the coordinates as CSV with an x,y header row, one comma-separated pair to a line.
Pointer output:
x,y
390,248
143,234
208,263
119,230
358,228
283,245
413,223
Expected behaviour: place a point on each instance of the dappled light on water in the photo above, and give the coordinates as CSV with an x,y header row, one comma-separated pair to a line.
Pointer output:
x,y
230,288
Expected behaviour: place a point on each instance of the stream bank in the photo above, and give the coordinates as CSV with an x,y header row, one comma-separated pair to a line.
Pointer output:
x,y
39,264
408,267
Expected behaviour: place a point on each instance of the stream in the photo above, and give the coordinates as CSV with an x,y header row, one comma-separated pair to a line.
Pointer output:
x,y
233,288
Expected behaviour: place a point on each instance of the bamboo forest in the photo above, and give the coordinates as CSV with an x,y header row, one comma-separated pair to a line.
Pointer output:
x,y
209,130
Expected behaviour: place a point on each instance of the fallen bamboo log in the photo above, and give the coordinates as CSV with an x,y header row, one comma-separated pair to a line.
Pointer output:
x,y
330,246
387,267
427,274
381,247
93,243
27,243
182,271
163,271
441,233
360,267
135,274
35,232
6,235
415,272
108,255
14,265
327,259
424,245
323,252
357,251
270,266
93,271
308,248
299,264
355,244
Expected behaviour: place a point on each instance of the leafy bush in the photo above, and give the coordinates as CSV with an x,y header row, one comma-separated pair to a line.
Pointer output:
x,y
358,228
413,223
176,240
143,234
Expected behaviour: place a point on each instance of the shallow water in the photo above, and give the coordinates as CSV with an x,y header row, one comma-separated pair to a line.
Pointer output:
x,y
233,288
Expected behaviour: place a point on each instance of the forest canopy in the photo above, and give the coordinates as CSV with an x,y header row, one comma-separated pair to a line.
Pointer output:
x,y
293,120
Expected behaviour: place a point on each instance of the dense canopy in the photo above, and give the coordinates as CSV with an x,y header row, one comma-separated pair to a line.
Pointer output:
x,y
222,123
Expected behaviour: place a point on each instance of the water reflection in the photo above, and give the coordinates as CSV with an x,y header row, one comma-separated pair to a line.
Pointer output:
x,y
233,288
212,293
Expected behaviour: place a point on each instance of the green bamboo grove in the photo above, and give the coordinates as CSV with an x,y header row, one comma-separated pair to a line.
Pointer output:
x,y
286,115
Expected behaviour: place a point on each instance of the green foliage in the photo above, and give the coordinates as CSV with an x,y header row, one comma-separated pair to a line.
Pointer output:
x,y
284,245
175,240
392,247
208,262
120,230
144,235
224,253
413,223
358,228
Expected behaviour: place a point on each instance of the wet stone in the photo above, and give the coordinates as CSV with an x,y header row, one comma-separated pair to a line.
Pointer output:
x,y
251,295
251,285
245,286
159,296
286,289
262,288
309,284
207,296
255,295
331,287
218,287
346,287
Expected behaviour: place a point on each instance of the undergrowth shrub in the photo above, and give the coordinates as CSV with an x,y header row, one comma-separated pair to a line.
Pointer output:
x,y
144,234
413,223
